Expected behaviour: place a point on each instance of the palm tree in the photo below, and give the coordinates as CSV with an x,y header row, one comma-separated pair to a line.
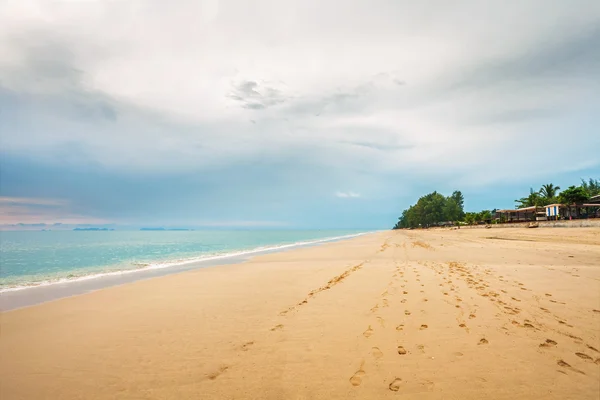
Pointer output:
x,y
549,191
532,200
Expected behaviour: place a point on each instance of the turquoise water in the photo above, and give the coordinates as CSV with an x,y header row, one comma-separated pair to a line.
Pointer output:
x,y
36,257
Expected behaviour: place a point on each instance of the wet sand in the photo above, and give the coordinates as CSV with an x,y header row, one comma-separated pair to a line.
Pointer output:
x,y
465,314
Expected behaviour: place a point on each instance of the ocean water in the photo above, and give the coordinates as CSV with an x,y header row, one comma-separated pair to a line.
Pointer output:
x,y
32,258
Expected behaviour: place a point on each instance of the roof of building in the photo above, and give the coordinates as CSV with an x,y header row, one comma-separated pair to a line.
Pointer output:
x,y
532,208
595,199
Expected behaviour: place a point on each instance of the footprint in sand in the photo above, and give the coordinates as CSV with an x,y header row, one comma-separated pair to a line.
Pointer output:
x,y
381,322
592,348
368,332
406,312
401,350
277,328
400,327
247,345
564,323
584,356
563,364
423,327
471,316
214,375
403,301
357,378
463,325
548,294
548,343
483,341
405,292
395,385
376,352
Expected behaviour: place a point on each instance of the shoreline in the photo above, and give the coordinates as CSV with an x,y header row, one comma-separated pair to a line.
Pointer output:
x,y
14,298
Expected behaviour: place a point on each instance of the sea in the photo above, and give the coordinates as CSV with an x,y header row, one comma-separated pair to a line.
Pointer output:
x,y
39,258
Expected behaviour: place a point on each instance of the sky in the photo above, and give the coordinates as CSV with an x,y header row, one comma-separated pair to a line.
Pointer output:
x,y
290,114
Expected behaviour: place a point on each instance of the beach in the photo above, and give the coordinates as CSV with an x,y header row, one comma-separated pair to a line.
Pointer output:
x,y
503,313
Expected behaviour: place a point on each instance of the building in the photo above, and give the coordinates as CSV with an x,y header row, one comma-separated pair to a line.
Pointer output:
x,y
590,209
518,215
553,211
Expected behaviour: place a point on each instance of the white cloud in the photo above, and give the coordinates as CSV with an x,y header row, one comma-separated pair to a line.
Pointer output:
x,y
347,194
420,89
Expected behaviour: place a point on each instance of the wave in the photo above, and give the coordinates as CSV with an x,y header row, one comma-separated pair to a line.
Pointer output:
x,y
138,267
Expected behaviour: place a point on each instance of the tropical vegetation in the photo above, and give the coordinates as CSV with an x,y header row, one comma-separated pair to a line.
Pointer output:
x,y
435,209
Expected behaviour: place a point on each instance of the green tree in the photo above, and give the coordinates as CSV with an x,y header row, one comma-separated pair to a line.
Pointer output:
x,y
592,187
459,199
573,195
549,191
470,218
452,211
432,209
484,216
533,199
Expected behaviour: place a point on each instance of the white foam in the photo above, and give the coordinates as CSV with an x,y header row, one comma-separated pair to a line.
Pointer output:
x,y
173,263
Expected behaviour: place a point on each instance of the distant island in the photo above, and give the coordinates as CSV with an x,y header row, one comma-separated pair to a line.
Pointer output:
x,y
93,229
165,229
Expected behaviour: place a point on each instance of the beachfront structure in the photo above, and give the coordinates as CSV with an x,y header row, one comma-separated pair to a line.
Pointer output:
x,y
518,215
590,210
553,211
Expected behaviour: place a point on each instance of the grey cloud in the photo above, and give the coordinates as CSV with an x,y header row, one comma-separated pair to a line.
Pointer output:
x,y
574,56
387,147
513,116
341,101
48,73
256,96
349,99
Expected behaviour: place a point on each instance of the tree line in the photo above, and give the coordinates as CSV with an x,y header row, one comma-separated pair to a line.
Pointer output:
x,y
435,209
549,194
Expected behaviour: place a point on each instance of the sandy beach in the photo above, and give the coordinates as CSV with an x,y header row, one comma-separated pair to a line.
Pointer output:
x,y
453,314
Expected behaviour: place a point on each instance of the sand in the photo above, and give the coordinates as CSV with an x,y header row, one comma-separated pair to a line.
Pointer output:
x,y
452,314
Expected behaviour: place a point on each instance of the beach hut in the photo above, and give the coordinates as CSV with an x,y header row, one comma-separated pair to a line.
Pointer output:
x,y
553,211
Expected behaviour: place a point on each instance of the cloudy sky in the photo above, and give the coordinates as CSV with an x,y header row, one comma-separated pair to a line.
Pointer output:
x,y
308,113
